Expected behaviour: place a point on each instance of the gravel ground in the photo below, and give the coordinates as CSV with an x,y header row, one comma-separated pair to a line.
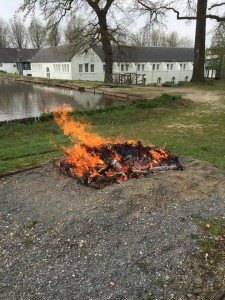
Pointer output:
x,y
134,240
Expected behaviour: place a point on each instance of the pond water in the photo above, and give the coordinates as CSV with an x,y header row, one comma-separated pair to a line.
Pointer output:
x,y
21,100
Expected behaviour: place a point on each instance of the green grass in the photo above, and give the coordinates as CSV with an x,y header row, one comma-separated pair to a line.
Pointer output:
x,y
24,145
190,129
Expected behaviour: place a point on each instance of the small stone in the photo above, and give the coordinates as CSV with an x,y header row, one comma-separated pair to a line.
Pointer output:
x,y
198,281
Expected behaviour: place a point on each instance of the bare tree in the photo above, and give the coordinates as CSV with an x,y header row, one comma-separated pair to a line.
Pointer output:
x,y
18,33
186,42
217,49
146,36
173,39
74,30
158,9
4,34
53,36
218,38
100,20
37,33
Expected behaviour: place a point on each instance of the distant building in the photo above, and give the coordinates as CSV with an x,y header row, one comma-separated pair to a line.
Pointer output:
x,y
16,61
215,63
149,64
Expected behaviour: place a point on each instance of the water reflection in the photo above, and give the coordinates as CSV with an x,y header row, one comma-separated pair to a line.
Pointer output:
x,y
20,100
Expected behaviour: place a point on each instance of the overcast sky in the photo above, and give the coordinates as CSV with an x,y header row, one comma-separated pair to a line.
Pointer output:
x,y
8,8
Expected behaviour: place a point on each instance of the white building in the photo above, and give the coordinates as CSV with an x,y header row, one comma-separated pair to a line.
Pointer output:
x,y
156,64
16,61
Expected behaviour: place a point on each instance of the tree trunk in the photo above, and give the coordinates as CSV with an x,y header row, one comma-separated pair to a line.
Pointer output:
x,y
107,47
199,50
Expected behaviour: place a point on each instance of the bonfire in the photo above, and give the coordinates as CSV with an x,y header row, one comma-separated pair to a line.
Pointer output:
x,y
98,162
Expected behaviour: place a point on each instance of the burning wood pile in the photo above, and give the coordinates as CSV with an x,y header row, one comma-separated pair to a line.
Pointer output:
x,y
97,162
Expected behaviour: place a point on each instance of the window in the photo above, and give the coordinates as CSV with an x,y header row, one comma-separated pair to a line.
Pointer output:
x,y
138,67
159,80
167,66
143,67
26,66
1,65
186,78
171,67
127,67
153,67
92,68
103,68
157,66
80,68
181,66
184,67
173,79
86,67
122,67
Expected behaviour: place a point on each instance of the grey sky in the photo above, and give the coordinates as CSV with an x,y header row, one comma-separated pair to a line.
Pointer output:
x,y
8,8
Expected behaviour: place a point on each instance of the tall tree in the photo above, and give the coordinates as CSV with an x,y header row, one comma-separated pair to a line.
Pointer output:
x,y
146,36
158,9
53,36
4,34
36,33
97,20
74,31
217,49
173,39
18,33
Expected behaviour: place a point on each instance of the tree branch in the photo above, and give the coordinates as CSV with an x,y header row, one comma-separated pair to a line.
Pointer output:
x,y
216,5
108,5
156,10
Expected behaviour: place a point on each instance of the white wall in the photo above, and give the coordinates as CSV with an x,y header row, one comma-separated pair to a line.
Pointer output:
x,y
81,62
88,66
153,71
9,68
57,70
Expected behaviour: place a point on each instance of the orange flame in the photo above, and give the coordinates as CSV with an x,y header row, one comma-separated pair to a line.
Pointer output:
x,y
78,154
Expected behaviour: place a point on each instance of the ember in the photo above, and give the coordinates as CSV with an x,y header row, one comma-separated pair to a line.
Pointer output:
x,y
97,162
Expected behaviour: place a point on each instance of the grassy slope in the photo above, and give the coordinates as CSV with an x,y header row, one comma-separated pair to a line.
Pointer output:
x,y
190,129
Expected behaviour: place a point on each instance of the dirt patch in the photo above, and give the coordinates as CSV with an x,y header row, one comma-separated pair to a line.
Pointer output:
x,y
134,240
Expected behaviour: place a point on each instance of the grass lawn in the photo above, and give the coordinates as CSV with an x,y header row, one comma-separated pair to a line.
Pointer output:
x,y
190,129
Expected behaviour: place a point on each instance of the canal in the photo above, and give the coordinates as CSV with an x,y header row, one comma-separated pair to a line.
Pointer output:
x,y
22,100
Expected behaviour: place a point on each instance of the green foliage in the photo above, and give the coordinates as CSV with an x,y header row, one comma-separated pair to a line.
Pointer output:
x,y
212,226
168,84
182,83
143,266
159,283
27,242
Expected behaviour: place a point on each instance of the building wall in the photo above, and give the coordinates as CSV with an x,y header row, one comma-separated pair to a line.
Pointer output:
x,y
87,66
53,70
9,68
158,72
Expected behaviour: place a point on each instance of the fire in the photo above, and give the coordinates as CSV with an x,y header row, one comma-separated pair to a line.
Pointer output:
x,y
95,160
78,155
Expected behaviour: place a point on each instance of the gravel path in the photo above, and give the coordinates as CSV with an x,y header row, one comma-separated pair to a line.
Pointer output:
x,y
135,240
